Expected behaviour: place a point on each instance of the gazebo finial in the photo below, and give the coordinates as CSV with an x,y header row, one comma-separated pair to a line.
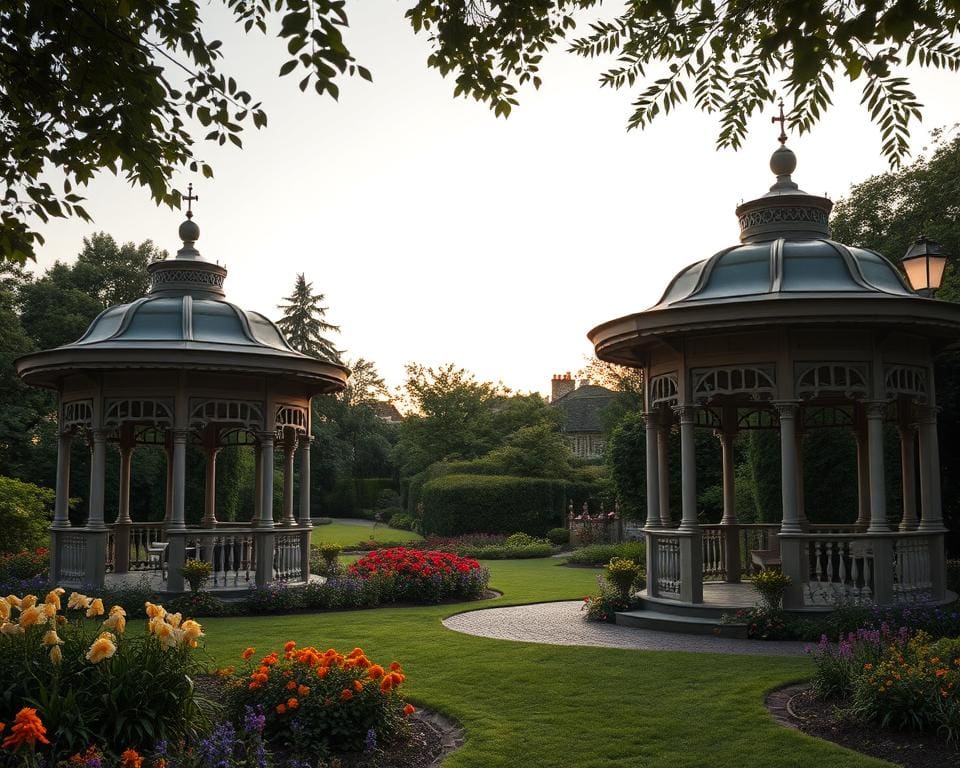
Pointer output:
x,y
189,230
782,138
190,197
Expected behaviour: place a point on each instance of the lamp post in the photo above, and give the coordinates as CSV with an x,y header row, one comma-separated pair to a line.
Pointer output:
x,y
924,263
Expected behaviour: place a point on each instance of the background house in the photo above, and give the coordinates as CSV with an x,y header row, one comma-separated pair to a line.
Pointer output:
x,y
583,404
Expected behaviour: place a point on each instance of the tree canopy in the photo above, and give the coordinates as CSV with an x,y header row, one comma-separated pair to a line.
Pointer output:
x,y
303,322
132,86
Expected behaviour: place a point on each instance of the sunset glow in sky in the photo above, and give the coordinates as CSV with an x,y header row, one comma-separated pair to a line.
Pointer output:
x,y
442,234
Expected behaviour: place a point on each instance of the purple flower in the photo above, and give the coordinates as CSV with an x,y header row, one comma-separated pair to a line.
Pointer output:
x,y
370,742
254,719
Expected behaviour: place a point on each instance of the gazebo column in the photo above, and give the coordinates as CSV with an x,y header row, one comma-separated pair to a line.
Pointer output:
x,y
653,471
663,468
61,509
168,494
257,485
792,549
211,449
264,536
863,480
931,516
98,469
878,492
730,528
908,475
177,529
304,508
691,552
289,451
121,529
801,495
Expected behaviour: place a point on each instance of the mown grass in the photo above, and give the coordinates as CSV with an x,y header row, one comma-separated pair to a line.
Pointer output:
x,y
541,705
347,535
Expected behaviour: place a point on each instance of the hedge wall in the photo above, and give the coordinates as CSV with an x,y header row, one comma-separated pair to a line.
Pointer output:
x,y
457,504
349,496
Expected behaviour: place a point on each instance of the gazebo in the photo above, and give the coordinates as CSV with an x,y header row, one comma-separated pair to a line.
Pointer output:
x,y
791,331
181,366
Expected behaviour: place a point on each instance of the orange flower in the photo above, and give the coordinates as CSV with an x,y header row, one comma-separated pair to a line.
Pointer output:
x,y
357,686
346,694
131,759
269,660
281,709
375,672
303,690
941,672
248,653
322,672
27,729
291,685
386,684
355,653
289,645
409,709
394,666
292,703
868,667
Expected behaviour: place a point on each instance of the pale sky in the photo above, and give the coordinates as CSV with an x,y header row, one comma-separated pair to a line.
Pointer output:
x,y
441,234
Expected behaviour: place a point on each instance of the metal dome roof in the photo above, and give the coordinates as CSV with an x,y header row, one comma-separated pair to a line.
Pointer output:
x,y
184,322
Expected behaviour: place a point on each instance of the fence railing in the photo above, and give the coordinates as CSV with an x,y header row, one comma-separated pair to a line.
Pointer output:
x,y
667,577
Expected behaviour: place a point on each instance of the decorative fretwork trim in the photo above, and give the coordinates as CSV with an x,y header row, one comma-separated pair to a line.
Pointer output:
x,y
755,381
77,413
246,413
159,412
664,390
906,380
291,416
200,276
783,214
848,379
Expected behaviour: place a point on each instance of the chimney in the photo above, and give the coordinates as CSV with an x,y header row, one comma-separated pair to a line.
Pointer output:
x,y
561,385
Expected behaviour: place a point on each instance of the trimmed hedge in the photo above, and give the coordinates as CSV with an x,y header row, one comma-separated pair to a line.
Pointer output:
x,y
349,497
458,504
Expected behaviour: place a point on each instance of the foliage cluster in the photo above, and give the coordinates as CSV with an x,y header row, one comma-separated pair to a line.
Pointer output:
x,y
25,511
316,703
603,604
558,536
601,554
413,575
403,521
894,678
771,585
22,566
196,573
92,683
622,573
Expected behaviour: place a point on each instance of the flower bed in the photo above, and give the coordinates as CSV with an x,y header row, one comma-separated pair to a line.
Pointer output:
x,y
412,575
893,678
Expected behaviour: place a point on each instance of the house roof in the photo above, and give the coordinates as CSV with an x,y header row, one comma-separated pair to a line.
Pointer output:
x,y
386,410
584,407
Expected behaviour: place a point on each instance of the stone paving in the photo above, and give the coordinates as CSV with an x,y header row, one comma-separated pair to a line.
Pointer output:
x,y
563,624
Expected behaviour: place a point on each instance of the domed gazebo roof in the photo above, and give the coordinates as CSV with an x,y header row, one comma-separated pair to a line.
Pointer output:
x,y
785,271
183,322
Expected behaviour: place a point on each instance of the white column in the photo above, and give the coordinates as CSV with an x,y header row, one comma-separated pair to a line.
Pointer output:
x,y
98,467
178,507
257,485
304,510
908,476
790,522
801,496
126,460
266,480
210,487
653,470
688,468
863,480
168,494
289,451
61,509
931,517
663,467
878,491
729,481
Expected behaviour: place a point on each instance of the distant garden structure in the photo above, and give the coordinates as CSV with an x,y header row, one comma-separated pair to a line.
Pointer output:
x,y
792,331
182,366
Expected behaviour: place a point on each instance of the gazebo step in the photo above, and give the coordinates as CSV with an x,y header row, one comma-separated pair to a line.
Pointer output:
x,y
687,625
674,608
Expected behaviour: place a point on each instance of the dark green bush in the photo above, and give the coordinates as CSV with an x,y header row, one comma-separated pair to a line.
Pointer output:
x,y
24,515
401,520
508,552
953,576
456,504
601,554
558,536
199,604
24,565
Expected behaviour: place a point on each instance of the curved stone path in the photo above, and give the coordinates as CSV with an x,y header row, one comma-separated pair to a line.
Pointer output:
x,y
563,624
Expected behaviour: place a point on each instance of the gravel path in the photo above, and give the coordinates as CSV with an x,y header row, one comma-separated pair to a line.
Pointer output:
x,y
563,624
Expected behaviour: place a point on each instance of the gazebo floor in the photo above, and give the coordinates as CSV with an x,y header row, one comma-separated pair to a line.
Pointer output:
x,y
718,598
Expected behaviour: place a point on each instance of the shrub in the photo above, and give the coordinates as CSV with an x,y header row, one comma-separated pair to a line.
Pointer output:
x,y
275,598
488,546
200,604
24,515
196,572
21,566
771,586
388,499
86,676
401,520
558,536
422,577
456,504
601,554
622,573
603,605
506,552
953,576
317,703
324,559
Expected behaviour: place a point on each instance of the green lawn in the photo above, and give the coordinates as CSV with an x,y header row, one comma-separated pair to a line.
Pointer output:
x,y
562,706
347,535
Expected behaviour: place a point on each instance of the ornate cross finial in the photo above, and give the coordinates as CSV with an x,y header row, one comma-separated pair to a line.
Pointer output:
x,y
190,197
782,138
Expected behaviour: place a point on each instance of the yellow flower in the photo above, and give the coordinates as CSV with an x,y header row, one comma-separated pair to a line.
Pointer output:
x,y
155,623
4,609
56,655
174,619
154,611
53,597
192,631
28,602
13,600
31,616
118,609
78,602
95,609
117,622
49,610
102,648
51,637
167,635
10,629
